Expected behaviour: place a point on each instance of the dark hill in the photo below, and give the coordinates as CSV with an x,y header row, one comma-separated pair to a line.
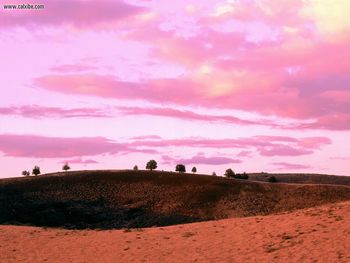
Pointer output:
x,y
302,178
118,199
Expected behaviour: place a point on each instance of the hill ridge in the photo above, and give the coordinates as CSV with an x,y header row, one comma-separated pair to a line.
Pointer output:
x,y
118,199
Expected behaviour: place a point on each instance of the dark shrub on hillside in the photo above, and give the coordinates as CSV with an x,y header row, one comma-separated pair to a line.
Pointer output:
x,y
180,168
243,176
273,179
194,169
229,173
26,173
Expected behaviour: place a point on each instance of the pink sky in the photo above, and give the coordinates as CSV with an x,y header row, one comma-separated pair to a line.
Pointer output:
x,y
252,85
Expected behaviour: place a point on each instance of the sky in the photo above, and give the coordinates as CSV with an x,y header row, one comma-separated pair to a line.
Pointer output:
x,y
252,85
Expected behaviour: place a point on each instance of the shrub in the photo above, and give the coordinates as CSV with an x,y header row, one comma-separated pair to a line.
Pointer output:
x,y
194,169
66,167
36,170
243,176
136,168
26,173
272,179
214,174
180,168
151,165
229,173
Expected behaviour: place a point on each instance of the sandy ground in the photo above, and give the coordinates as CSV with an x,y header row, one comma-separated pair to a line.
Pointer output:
x,y
320,234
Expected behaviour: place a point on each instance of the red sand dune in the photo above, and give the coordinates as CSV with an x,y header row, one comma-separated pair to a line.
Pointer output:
x,y
319,234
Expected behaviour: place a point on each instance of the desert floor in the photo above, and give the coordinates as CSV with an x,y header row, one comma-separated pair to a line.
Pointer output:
x,y
320,234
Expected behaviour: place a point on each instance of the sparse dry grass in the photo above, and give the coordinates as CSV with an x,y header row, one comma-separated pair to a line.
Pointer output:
x,y
302,178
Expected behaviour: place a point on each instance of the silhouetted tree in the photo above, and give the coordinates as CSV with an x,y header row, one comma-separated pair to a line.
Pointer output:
x,y
36,170
66,167
26,173
151,165
229,173
180,168
272,179
213,174
135,168
194,169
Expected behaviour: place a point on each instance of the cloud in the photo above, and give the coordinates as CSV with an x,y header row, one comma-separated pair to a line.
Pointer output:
x,y
68,68
244,154
200,159
336,121
82,14
61,147
290,166
264,145
107,86
146,137
330,17
190,115
313,142
342,158
79,161
337,95
56,147
300,100
40,112
302,146
283,150
294,74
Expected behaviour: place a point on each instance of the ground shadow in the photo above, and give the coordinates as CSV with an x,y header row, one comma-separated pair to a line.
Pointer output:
x,y
85,215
